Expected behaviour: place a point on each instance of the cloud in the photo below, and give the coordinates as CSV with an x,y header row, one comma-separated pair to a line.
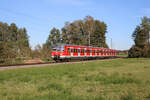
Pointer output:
x,y
72,2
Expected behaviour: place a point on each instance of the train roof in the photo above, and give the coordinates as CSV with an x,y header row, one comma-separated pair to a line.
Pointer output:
x,y
62,45
84,46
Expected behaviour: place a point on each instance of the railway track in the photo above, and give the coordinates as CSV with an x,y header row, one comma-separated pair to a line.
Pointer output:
x,y
5,67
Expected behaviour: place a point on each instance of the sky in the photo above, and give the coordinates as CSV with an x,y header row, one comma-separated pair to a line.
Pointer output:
x,y
40,16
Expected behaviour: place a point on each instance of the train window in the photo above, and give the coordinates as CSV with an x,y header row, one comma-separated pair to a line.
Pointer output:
x,y
101,51
71,49
97,51
75,50
79,50
93,51
87,51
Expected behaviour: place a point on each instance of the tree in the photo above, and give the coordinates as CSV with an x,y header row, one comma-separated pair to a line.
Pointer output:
x,y
89,24
85,32
14,41
98,39
37,51
53,38
23,42
141,39
46,51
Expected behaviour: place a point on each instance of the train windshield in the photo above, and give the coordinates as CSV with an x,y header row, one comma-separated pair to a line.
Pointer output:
x,y
58,49
54,49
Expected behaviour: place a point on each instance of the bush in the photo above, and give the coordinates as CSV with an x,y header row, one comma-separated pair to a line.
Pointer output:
x,y
135,52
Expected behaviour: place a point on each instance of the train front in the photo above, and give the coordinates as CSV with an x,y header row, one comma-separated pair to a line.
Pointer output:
x,y
57,53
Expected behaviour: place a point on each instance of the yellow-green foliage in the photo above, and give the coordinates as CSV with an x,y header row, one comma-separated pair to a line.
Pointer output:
x,y
124,79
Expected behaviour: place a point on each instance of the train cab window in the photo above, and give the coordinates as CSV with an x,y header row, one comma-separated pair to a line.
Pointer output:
x,y
54,49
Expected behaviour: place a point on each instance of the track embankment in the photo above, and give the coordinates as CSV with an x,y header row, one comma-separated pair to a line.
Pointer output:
x,y
5,67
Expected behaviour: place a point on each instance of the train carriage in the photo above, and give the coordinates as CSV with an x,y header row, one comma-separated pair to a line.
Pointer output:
x,y
68,52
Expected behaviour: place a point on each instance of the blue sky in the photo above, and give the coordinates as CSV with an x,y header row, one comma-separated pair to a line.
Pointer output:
x,y
40,16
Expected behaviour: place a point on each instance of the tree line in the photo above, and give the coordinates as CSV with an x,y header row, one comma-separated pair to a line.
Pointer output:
x,y
14,41
86,32
141,37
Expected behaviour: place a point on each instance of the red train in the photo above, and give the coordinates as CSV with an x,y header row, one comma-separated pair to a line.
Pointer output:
x,y
69,52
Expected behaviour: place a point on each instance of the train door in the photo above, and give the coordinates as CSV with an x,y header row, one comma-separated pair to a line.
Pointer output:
x,y
75,51
68,51
90,52
106,52
102,52
93,52
71,51
82,52
97,52
85,52
79,51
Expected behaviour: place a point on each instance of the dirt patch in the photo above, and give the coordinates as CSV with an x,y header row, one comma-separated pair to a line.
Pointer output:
x,y
37,60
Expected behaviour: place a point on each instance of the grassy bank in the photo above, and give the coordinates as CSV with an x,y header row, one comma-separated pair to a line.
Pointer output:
x,y
123,79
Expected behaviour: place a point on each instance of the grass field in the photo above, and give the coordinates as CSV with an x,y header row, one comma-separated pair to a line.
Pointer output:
x,y
122,79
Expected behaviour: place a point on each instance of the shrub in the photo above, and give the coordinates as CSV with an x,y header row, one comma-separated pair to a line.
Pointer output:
x,y
135,52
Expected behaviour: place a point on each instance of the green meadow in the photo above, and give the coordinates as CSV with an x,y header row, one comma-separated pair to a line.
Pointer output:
x,y
121,79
